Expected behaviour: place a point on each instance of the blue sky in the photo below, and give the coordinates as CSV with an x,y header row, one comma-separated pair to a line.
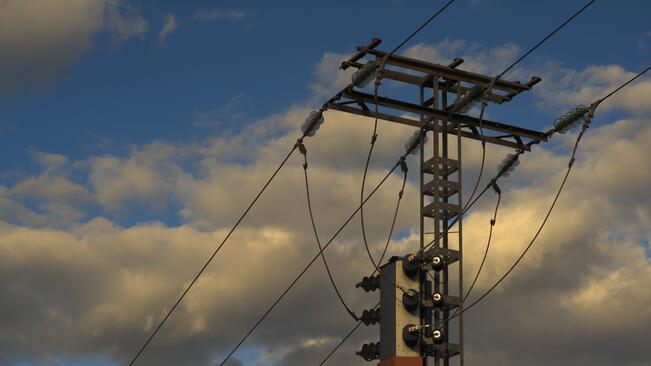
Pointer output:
x,y
123,119
217,75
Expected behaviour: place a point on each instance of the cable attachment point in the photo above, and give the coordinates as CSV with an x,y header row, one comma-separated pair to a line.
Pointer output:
x,y
301,147
403,166
496,188
374,138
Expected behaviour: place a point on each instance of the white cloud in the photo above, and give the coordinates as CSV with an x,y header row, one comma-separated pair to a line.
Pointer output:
x,y
100,288
39,38
169,27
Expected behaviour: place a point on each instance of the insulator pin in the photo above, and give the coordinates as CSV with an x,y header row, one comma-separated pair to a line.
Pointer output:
x,y
507,165
411,146
365,74
437,263
438,299
370,351
369,283
410,300
312,123
571,119
470,98
437,336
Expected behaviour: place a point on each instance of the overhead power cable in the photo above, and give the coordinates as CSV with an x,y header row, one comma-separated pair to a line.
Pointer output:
x,y
273,305
493,181
343,340
421,27
489,90
585,126
303,151
237,223
378,79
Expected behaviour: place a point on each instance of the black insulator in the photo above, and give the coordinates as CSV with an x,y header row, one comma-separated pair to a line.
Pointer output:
x,y
438,299
371,316
438,263
370,351
410,267
369,283
410,335
410,299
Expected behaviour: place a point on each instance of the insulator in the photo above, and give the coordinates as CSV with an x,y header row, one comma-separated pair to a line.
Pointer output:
x,y
365,74
437,336
437,263
410,299
571,119
370,351
369,283
312,123
410,334
507,165
470,98
411,146
371,316
438,299
410,267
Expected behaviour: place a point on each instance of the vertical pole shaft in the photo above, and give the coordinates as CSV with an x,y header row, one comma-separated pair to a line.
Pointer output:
x,y
461,361
422,279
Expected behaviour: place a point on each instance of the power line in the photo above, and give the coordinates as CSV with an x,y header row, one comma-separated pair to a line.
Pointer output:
x,y
303,151
374,139
490,88
590,114
214,253
310,263
625,84
421,27
493,181
343,340
546,38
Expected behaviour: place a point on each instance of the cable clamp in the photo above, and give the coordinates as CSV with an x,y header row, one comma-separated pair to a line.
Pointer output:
x,y
403,166
496,188
373,138
492,222
301,147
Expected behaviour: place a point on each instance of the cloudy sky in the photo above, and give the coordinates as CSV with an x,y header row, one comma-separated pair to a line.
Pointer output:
x,y
135,132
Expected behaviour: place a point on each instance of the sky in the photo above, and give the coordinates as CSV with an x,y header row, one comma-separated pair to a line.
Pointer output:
x,y
136,132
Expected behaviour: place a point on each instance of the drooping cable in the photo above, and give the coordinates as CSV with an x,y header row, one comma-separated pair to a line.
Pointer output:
x,y
470,204
492,83
585,126
273,305
303,151
395,214
264,187
488,244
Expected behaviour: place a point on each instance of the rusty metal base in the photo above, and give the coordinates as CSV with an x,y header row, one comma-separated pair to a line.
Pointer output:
x,y
402,361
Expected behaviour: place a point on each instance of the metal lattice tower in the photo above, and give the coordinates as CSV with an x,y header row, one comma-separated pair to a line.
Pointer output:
x,y
440,191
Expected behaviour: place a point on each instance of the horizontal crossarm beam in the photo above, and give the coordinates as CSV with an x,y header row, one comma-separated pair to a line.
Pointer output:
x,y
450,73
442,115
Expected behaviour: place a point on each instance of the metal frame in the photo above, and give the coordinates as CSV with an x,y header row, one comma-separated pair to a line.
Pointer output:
x,y
437,174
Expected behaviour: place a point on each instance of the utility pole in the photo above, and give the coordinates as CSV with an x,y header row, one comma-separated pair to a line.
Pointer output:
x,y
412,326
